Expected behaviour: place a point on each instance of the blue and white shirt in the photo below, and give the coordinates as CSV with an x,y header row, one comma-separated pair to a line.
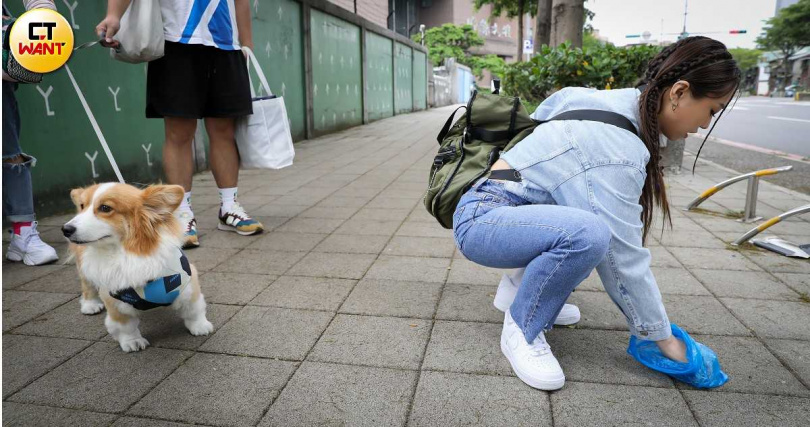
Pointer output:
x,y
206,22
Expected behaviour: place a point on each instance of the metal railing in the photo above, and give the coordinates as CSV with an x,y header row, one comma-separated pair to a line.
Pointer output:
x,y
750,214
775,220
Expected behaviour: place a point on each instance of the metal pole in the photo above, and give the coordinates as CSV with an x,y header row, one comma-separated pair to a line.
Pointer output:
x,y
751,201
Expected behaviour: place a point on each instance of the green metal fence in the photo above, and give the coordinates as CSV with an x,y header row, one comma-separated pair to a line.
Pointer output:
x,y
334,69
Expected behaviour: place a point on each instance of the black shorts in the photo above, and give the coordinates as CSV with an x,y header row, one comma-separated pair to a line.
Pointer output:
x,y
197,81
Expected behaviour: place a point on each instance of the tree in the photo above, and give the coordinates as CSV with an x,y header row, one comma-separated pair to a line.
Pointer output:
x,y
787,32
746,58
513,9
455,41
567,19
542,27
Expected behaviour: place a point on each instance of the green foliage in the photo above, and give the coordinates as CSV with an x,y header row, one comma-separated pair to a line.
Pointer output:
x,y
746,58
511,7
455,41
789,30
602,67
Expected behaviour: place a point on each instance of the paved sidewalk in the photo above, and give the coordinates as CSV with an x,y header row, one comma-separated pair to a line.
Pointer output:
x,y
355,308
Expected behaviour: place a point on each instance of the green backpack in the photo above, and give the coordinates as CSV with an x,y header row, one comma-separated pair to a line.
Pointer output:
x,y
491,125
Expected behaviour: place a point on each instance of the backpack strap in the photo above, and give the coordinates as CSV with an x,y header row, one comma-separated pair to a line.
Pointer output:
x,y
608,117
447,124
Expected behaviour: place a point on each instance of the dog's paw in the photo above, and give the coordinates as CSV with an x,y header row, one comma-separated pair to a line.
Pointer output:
x,y
203,327
93,306
137,344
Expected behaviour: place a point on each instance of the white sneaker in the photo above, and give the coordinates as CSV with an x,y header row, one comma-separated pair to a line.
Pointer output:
x,y
189,225
29,248
533,363
507,290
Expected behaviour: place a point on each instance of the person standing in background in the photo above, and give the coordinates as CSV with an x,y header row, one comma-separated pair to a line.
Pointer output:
x,y
202,75
18,195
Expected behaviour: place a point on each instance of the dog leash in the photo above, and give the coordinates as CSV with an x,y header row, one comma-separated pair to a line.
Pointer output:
x,y
92,118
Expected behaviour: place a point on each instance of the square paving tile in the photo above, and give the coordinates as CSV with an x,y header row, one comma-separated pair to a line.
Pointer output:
x,y
310,293
702,315
770,319
26,358
598,311
21,306
343,202
164,328
388,342
735,410
751,368
328,394
65,280
780,264
677,281
662,258
744,284
424,229
66,321
285,241
269,332
451,399
280,210
145,422
311,225
256,261
713,259
796,354
233,288
205,258
409,269
20,414
579,404
250,385
600,357
16,274
92,379
799,282
469,273
351,244
227,239
421,247
469,303
329,212
467,347
341,266
393,298
689,239
392,202
381,214
368,227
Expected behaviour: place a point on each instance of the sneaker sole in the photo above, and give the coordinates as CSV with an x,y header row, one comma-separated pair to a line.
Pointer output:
x,y
224,227
27,261
548,385
506,294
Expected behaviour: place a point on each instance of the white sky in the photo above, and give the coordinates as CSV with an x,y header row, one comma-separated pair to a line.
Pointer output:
x,y
617,18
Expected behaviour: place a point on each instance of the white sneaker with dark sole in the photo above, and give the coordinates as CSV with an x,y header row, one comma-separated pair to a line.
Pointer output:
x,y
533,363
507,290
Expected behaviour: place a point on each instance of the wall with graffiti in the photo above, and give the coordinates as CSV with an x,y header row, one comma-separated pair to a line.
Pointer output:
x,y
56,130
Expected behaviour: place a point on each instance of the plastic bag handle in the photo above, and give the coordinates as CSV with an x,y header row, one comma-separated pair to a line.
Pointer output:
x,y
259,72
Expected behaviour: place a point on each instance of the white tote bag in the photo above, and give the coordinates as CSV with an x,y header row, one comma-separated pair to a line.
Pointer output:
x,y
263,138
141,33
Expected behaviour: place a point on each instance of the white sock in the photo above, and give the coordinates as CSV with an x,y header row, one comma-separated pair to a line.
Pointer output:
x,y
185,205
227,197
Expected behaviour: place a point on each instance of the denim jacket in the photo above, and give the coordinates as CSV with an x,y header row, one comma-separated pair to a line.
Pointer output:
x,y
600,168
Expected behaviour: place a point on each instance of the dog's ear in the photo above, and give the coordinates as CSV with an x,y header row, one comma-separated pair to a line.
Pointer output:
x,y
76,196
162,199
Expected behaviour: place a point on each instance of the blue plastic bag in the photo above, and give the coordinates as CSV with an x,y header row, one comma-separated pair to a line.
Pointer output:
x,y
701,371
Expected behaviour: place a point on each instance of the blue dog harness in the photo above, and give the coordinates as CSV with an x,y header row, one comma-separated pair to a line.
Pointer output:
x,y
162,291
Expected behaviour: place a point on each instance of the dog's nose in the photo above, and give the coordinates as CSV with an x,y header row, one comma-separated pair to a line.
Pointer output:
x,y
68,230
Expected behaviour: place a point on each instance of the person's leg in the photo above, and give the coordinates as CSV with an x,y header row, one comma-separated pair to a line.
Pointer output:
x,y
224,156
178,166
18,196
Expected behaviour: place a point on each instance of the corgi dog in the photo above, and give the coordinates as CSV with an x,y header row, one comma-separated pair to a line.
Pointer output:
x,y
127,244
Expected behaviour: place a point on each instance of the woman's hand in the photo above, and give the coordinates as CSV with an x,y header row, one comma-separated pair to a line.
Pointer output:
x,y
673,348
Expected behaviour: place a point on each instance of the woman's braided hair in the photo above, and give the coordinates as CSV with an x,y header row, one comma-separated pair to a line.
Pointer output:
x,y
710,70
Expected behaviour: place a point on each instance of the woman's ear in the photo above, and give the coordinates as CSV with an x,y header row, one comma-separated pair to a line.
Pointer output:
x,y
678,90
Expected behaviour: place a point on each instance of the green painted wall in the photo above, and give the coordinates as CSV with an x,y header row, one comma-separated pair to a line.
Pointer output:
x,y
419,80
279,46
336,73
379,76
57,132
403,73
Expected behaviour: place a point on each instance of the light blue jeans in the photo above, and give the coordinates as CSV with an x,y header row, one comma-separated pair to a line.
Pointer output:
x,y
558,245
18,199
